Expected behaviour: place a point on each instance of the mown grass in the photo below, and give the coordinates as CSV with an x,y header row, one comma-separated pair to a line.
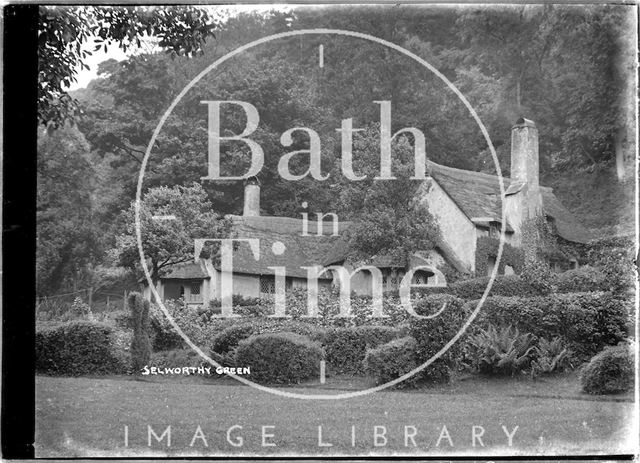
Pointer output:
x,y
86,417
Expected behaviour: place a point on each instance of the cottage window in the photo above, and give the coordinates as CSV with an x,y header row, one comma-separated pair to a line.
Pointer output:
x,y
267,284
195,289
421,277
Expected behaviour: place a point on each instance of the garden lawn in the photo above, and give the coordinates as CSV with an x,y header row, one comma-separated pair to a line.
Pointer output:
x,y
87,417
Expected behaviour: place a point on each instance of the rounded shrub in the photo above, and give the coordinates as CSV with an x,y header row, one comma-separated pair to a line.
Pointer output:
x,y
609,372
346,347
392,360
77,348
228,339
281,358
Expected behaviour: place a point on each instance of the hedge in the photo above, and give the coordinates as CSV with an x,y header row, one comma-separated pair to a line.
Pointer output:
x,y
392,360
588,321
77,348
433,334
609,372
346,347
584,279
503,285
283,358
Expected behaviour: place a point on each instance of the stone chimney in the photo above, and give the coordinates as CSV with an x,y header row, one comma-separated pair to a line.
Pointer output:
x,y
524,153
523,199
251,197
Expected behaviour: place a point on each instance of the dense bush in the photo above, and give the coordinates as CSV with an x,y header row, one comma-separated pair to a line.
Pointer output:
x,y
583,279
392,360
280,357
121,341
163,335
500,351
539,276
77,348
615,256
433,334
197,324
346,347
587,321
122,319
609,372
140,343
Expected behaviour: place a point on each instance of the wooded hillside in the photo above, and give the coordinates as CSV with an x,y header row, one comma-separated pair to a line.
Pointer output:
x,y
567,68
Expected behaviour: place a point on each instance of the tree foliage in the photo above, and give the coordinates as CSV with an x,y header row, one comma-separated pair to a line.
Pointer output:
x,y
66,239
185,214
387,219
64,32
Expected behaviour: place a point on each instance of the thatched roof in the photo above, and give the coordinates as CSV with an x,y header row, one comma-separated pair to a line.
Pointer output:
x,y
186,271
478,195
300,251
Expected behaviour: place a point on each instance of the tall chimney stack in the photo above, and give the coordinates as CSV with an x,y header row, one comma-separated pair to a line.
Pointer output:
x,y
251,197
525,165
524,153
522,198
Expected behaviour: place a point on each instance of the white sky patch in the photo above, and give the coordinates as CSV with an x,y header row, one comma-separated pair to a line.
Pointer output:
x,y
83,76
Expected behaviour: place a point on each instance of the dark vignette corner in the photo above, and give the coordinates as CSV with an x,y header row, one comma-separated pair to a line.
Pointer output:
x,y
18,233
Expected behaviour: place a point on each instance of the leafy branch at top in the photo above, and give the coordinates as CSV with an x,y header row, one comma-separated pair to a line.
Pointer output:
x,y
64,33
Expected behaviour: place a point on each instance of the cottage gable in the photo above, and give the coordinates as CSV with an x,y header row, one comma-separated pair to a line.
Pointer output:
x,y
478,196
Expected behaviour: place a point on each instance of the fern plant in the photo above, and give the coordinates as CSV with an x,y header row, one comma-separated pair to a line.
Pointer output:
x,y
553,357
500,351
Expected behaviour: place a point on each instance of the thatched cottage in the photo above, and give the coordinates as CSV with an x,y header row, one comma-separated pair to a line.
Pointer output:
x,y
466,204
